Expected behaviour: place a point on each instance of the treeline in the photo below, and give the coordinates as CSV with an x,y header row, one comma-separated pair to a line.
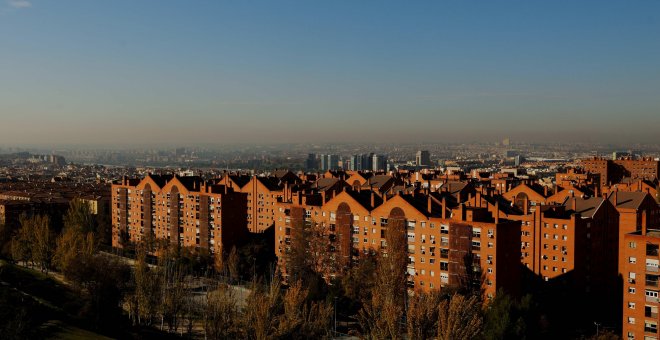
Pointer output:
x,y
188,292
373,300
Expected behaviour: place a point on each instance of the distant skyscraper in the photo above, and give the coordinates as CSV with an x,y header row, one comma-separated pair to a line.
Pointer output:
x,y
506,141
333,162
329,162
379,162
310,163
423,158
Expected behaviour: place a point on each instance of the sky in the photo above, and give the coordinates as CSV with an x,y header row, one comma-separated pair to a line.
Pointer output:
x,y
185,72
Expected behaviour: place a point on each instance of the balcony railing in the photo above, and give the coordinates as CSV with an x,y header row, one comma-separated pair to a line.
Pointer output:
x,y
652,269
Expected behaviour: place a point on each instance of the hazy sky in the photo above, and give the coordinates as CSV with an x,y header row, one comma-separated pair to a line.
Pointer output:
x,y
186,71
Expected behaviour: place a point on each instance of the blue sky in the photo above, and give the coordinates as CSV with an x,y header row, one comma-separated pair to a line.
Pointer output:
x,y
122,72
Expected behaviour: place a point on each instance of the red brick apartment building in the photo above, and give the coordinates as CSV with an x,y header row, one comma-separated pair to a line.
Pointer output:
x,y
641,284
263,192
441,234
186,211
613,171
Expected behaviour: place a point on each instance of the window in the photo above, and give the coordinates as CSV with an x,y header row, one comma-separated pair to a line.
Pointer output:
x,y
631,290
631,320
632,245
631,305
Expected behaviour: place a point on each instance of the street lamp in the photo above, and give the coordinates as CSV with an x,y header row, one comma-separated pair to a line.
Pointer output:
x,y
597,326
336,315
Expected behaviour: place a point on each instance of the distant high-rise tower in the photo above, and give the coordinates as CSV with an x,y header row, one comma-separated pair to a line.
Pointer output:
x,y
423,158
311,163
506,141
329,162
379,162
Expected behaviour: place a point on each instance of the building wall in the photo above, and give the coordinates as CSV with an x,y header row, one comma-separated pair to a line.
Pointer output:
x,y
187,218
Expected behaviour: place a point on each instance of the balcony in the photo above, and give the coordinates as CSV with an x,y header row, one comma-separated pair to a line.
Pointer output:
x,y
651,269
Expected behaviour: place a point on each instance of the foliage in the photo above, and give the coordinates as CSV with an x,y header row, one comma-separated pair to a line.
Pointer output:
x,y
423,315
79,216
508,318
33,241
261,310
74,249
459,318
381,315
221,314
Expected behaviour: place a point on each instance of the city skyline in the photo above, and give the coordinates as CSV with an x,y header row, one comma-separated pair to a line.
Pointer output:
x,y
214,72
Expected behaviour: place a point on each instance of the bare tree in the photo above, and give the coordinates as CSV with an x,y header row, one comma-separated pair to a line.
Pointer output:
x,y
43,244
220,314
233,264
422,315
261,311
459,318
381,316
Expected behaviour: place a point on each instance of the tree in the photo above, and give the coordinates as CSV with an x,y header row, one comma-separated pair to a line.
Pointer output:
x,y
147,284
173,292
21,245
104,280
221,314
5,240
73,250
422,315
508,318
43,244
233,265
33,241
261,310
79,216
298,265
459,318
359,281
381,315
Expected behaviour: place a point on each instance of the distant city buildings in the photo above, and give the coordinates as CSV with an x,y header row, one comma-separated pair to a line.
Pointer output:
x,y
423,158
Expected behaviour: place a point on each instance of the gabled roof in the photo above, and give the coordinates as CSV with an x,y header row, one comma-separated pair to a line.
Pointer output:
x,y
627,199
160,180
240,180
324,184
587,207
192,183
271,183
503,204
363,197
379,182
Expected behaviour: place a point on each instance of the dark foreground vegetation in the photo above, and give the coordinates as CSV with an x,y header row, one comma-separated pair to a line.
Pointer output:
x,y
58,284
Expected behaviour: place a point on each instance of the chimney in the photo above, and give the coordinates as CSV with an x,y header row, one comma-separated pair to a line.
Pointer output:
x,y
526,207
616,197
373,199
429,204
497,211
574,204
286,191
545,190
323,197
644,222
444,207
